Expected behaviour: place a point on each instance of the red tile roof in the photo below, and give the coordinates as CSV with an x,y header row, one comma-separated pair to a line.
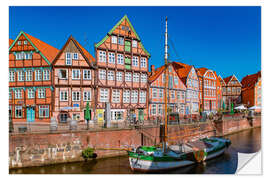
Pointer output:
x,y
182,70
86,53
47,50
201,71
10,42
156,74
227,79
249,81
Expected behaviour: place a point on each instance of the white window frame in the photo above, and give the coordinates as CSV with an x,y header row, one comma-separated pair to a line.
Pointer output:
x,y
60,74
76,95
134,43
160,109
110,75
87,95
135,61
160,93
68,58
120,40
104,95
143,78
119,76
63,95
18,108
128,76
38,75
142,98
143,62
41,93
10,94
120,59
11,76
75,56
116,96
154,92
18,93
102,74
102,56
136,77
28,75
134,96
111,58
126,96
44,108
76,74
87,75
20,75
114,39
46,75
31,93
153,109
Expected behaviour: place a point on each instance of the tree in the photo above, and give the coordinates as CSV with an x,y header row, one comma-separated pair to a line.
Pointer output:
x,y
87,115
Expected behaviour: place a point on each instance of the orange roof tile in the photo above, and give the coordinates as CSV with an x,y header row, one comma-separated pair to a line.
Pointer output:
x,y
182,70
249,81
156,74
10,42
47,50
201,71
227,79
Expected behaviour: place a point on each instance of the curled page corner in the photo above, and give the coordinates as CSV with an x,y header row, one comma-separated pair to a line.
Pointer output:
x,y
249,163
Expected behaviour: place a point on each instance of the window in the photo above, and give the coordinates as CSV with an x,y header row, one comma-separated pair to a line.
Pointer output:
x,y
121,41
10,94
31,93
38,75
154,92
44,111
128,76
172,94
25,42
117,115
87,74
27,55
28,75
102,56
135,61
114,39
119,76
134,43
63,74
183,95
110,75
75,56
175,80
20,76
87,95
41,93
125,28
76,74
18,111
68,59
154,109
104,95
136,77
142,96
178,95
18,94
19,42
143,62
46,75
161,93
126,96
76,117
63,96
120,59
134,96
116,96
11,76
160,109
102,74
111,58
63,117
143,78
76,95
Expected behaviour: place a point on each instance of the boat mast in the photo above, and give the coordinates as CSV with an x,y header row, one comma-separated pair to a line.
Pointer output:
x,y
166,81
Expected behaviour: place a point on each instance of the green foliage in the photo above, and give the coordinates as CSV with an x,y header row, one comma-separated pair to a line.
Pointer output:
x,y
88,153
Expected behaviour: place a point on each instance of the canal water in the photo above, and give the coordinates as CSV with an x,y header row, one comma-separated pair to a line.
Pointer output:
x,y
244,142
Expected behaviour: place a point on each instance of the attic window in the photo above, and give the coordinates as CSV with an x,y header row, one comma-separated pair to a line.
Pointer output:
x,y
125,28
75,56
134,43
114,39
19,42
25,42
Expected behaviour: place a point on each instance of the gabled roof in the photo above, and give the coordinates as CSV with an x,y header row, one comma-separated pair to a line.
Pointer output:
x,y
10,42
182,70
227,79
249,81
201,71
47,51
89,58
119,22
157,73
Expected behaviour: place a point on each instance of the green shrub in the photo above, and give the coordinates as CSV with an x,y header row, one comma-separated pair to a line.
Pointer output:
x,y
88,153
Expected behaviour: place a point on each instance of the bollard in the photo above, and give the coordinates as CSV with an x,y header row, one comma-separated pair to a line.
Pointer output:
x,y
72,124
53,125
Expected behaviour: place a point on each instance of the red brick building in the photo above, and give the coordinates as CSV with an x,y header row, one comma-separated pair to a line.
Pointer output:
x,y
73,82
122,73
208,90
251,90
231,91
30,79
176,92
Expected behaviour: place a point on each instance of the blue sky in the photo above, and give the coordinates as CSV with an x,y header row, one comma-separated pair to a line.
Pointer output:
x,y
225,39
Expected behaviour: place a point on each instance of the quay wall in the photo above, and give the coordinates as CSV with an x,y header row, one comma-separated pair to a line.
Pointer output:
x,y
27,150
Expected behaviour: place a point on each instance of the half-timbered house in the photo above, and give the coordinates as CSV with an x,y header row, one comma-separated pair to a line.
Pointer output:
x,y
30,79
122,73
73,82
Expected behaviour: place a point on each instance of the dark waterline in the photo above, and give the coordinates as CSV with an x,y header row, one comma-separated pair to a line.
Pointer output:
x,y
245,142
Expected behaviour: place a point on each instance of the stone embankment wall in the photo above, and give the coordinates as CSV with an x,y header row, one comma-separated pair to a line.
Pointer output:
x,y
43,149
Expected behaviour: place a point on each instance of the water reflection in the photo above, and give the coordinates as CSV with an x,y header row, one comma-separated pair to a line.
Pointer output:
x,y
244,142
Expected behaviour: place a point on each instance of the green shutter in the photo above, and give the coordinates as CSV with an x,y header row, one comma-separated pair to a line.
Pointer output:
x,y
127,66
127,61
127,46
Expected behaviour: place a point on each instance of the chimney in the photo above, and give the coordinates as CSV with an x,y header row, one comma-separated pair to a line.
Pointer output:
x,y
152,69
